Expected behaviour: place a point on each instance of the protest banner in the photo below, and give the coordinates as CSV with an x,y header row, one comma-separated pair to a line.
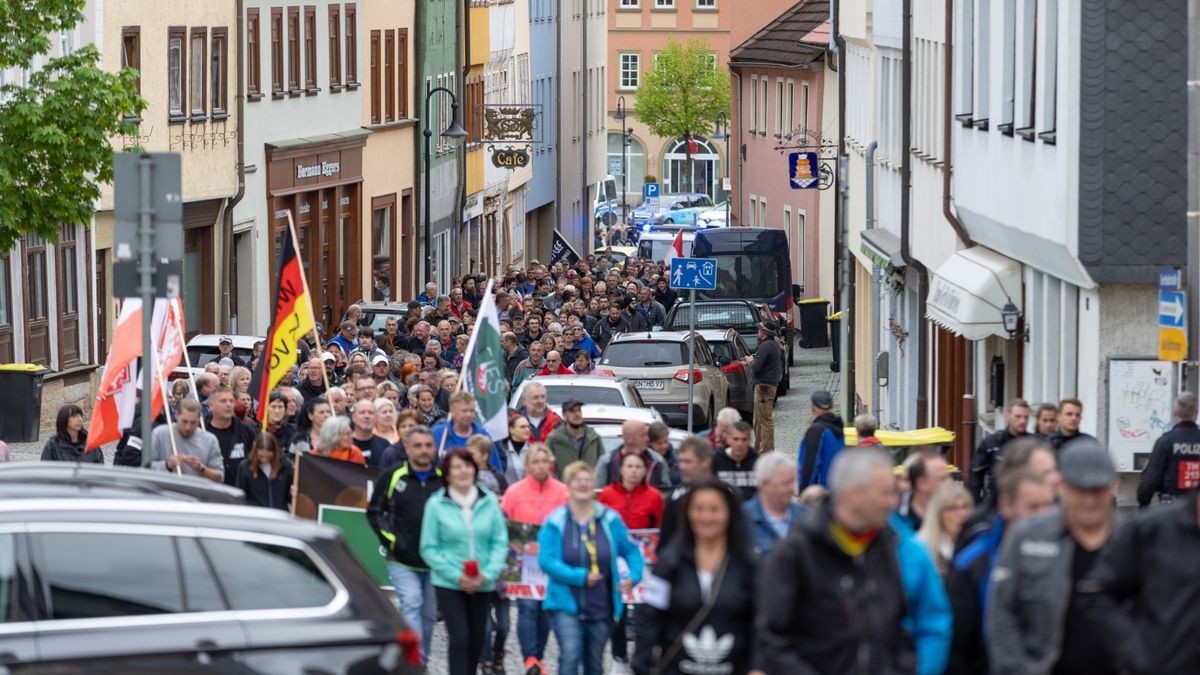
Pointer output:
x,y
336,492
524,579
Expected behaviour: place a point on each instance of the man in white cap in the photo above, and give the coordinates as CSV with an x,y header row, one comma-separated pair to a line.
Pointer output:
x,y
225,346
381,370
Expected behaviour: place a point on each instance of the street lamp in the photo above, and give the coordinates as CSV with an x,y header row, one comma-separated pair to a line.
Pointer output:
x,y
1011,316
620,116
454,131
721,133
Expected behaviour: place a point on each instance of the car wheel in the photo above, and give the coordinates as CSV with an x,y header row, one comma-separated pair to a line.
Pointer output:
x,y
792,351
710,420
668,221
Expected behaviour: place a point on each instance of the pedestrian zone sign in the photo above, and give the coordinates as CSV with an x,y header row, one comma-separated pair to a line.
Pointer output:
x,y
695,274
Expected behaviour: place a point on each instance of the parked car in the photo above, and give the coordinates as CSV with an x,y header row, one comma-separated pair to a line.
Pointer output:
x,y
744,316
376,314
610,435
729,348
654,245
659,362
676,209
599,389
714,217
616,254
594,414
204,348
92,480
111,586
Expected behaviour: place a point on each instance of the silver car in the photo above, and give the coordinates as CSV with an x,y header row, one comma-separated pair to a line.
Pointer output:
x,y
586,388
657,365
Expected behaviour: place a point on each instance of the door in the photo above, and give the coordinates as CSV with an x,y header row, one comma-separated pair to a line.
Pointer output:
x,y
103,302
408,254
67,278
37,301
6,328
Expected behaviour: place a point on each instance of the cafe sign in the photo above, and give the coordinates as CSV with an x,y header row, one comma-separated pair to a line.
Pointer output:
x,y
510,158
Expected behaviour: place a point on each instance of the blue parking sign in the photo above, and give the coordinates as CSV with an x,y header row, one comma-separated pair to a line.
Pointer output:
x,y
650,190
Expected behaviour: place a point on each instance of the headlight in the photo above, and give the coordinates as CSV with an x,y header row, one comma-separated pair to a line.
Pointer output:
x,y
646,227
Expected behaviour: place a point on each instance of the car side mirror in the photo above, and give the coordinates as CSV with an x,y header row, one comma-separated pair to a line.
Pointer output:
x,y
724,361
797,292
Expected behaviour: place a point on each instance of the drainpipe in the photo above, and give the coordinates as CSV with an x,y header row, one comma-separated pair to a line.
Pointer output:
x,y
1193,193
843,261
739,147
558,116
906,216
227,208
586,132
462,62
875,276
969,415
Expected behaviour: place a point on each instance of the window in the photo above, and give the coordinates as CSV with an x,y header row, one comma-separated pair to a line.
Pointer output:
x,y
68,277
706,4
629,4
473,110
1009,67
219,75
200,591
645,353
804,108
982,63
753,103
389,74
276,51
242,567
753,211
964,13
630,68
198,73
310,49
762,212
762,106
131,51
141,575
5,291
383,224
402,71
293,43
376,82
335,48
9,611
351,46
1028,59
175,74
253,56
778,107
1049,121
664,4
789,98
748,275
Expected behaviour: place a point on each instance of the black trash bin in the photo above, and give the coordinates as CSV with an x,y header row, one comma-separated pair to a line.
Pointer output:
x,y
835,332
814,330
20,402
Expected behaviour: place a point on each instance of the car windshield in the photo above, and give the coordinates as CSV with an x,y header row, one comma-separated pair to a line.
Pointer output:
x,y
644,353
600,395
738,316
656,249
747,276
378,319
201,356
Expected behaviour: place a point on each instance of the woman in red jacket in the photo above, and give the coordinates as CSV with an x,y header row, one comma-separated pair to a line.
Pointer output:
x,y
641,508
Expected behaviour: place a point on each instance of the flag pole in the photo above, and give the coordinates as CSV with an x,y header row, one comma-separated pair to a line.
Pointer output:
x,y
162,385
296,480
187,361
307,295
462,373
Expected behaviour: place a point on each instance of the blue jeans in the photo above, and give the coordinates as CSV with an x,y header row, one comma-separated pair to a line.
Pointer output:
x,y
418,604
580,643
497,620
533,628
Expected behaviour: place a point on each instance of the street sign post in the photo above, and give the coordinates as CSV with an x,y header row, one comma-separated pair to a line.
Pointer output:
x,y
650,195
693,274
1172,324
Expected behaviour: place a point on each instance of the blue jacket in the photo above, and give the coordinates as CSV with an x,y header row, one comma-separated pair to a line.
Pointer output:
x,y
761,532
968,585
820,444
346,345
447,542
565,580
453,440
587,344
927,617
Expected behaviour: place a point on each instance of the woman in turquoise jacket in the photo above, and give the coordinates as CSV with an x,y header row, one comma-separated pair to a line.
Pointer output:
x,y
579,548
464,540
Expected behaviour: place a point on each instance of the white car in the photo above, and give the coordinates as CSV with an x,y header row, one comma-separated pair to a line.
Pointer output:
x,y
604,390
204,348
714,217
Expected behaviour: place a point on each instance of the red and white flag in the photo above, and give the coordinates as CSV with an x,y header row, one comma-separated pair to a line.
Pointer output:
x,y
116,399
676,250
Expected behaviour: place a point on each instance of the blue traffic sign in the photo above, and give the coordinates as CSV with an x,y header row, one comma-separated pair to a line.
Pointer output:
x,y
650,190
1170,279
695,274
1172,309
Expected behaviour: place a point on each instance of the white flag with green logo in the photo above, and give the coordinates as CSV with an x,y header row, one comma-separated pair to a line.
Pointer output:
x,y
483,371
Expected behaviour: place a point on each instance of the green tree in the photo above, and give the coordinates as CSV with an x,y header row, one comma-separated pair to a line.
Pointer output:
x,y
682,93
55,132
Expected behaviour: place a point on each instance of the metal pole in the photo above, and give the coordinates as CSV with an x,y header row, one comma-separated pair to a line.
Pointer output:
x,y
428,133
847,278
1193,198
146,270
624,179
728,159
692,361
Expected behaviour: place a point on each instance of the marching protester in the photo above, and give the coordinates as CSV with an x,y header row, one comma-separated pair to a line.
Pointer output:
x,y
308,432
735,463
464,540
821,443
534,408
766,366
396,513
554,364
528,502
703,584
395,455
1037,620
635,439
925,474
184,446
726,418
513,449
944,519
573,441
865,425
70,439
1028,452
336,440
454,431
695,465
480,448
1174,465
233,435
278,423
981,478
771,512
658,439
579,547
427,406
362,419
530,365
265,475
385,422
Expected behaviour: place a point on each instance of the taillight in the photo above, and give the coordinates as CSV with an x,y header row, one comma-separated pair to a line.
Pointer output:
x,y
734,367
682,376
605,371
410,644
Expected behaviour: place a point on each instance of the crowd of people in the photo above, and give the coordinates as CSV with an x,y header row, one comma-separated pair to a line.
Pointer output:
x,y
841,561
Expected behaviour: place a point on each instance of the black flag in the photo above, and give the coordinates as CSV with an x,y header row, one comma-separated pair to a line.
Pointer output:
x,y
562,251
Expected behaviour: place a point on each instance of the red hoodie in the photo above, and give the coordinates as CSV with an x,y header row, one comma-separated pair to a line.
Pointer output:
x,y
640,510
540,434
562,370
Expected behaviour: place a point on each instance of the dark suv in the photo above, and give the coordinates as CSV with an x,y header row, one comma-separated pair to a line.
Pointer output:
x,y
138,586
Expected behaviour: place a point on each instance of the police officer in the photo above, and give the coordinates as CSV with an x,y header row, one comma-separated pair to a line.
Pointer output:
x,y
981,479
1174,466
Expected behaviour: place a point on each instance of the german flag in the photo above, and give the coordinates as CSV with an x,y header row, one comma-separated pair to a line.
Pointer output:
x,y
293,320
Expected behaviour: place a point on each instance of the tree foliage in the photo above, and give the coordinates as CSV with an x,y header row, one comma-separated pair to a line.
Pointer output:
x,y
55,132
683,91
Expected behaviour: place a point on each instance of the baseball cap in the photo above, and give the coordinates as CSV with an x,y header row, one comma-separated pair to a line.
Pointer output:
x,y
769,327
822,399
571,403
326,356
379,358
224,339
1085,464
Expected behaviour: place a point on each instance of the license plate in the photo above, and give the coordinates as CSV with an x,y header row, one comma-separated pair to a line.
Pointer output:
x,y
649,384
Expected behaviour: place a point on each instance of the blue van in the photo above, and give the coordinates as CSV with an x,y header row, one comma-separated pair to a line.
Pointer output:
x,y
753,263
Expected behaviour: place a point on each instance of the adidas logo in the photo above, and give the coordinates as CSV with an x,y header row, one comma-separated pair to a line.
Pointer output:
x,y
706,653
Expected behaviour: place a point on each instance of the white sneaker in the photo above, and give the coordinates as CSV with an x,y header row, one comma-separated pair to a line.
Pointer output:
x,y
620,668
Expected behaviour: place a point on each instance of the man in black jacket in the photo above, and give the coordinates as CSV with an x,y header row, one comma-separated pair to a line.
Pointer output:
x,y
233,435
767,368
605,329
396,510
835,600
1174,466
982,478
514,354
1070,414
637,322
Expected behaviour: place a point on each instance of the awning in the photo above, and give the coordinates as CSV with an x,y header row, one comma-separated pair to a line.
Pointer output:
x,y
882,248
969,291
